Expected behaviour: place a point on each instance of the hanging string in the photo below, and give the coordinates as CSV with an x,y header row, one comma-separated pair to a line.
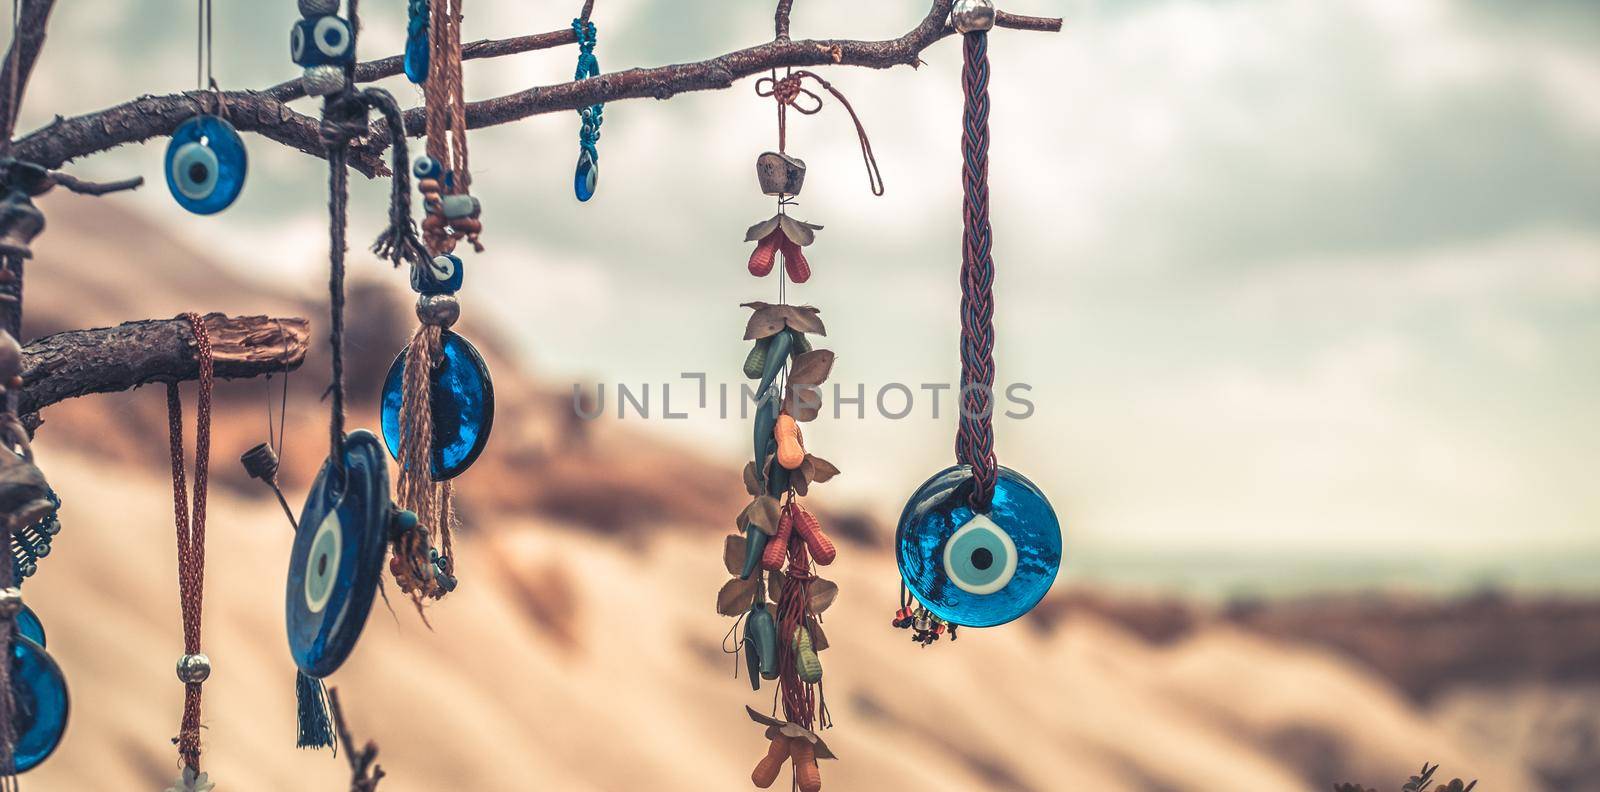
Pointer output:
x,y
975,436
191,529
202,52
787,92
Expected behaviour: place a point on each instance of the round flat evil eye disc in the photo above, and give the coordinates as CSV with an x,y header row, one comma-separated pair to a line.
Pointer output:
x,y
978,570
39,692
463,406
29,626
337,560
205,165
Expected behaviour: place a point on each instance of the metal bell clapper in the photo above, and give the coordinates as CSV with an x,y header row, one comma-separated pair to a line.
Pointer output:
x,y
780,174
972,16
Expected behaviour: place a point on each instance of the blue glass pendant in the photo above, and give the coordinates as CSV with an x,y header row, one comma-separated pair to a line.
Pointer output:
x,y
978,570
463,406
586,177
39,692
205,165
337,560
28,625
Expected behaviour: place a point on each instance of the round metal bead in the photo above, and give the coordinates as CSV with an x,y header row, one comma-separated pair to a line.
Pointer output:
x,y
322,80
438,309
10,601
194,668
311,8
972,16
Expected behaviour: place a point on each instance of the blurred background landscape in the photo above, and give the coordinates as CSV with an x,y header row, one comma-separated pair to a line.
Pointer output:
x,y
1307,295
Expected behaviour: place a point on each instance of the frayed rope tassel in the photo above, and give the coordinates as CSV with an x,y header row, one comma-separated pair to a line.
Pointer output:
x,y
315,724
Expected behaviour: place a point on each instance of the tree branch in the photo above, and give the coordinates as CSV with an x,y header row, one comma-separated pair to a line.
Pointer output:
x,y
84,187
780,20
24,52
111,359
364,772
266,114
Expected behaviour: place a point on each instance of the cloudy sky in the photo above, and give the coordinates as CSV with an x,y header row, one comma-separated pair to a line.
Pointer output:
x,y
1290,279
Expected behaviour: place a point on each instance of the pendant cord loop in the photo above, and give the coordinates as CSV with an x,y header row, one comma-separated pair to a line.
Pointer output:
x,y
191,528
975,436
786,91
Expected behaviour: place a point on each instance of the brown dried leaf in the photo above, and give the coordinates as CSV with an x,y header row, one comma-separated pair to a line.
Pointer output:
x,y
823,593
762,513
805,319
752,479
733,553
818,469
819,639
760,230
798,480
774,585
811,368
803,403
799,232
767,320
736,596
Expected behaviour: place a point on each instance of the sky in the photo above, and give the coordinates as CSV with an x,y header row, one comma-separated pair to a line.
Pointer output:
x,y
1289,280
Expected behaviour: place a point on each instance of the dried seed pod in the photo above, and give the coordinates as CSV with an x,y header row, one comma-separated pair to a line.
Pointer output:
x,y
794,262
810,530
770,765
765,253
756,361
806,662
791,450
778,545
806,774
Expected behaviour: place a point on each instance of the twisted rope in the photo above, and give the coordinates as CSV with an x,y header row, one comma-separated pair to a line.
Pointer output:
x,y
191,529
975,436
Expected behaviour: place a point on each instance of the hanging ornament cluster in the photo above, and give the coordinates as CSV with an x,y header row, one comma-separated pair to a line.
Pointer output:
x,y
345,526
436,417
206,161
586,176
775,590
977,544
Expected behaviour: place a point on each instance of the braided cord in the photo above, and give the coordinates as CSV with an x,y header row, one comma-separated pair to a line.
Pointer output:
x,y
588,66
191,529
975,437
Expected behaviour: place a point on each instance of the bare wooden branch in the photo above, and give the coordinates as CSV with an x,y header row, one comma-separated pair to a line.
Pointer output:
x,y
85,187
265,114
780,20
588,9
25,45
111,359
364,772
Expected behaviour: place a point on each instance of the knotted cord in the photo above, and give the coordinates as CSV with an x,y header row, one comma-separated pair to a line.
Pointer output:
x,y
975,437
787,91
191,528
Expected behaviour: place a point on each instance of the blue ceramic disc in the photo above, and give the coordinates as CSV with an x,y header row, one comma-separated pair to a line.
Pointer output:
x,y
40,694
29,626
337,561
463,407
206,165
978,570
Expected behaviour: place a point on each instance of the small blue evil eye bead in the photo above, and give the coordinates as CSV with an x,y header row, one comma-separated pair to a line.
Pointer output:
x,y
586,177
322,41
972,569
206,165
442,275
426,167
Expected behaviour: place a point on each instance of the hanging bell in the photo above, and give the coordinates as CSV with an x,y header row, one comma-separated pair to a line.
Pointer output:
x,y
780,174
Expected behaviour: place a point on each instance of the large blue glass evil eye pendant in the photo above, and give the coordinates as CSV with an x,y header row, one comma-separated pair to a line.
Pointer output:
x,y
462,402
337,560
40,703
28,625
978,570
206,165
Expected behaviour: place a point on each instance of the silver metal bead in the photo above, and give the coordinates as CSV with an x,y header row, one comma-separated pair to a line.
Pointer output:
x,y
194,668
438,309
311,8
972,16
10,601
322,80
780,174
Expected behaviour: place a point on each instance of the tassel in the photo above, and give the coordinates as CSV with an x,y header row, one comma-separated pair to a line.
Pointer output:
x,y
398,243
316,726
417,490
